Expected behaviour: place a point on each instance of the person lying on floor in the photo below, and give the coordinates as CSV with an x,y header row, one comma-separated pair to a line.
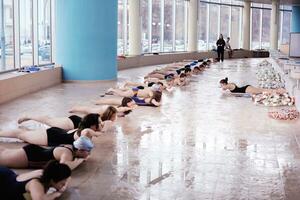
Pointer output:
x,y
55,136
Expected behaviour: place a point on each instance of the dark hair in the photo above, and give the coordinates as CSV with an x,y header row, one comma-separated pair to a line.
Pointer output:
x,y
182,75
224,81
125,101
109,112
187,70
89,120
187,66
201,66
140,87
197,68
152,83
200,60
54,171
160,83
178,71
157,96
204,63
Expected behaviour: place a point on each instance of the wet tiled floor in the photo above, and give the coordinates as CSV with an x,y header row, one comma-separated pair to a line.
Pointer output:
x,y
200,144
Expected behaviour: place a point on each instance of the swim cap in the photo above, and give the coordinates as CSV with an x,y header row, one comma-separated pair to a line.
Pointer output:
x,y
155,87
83,143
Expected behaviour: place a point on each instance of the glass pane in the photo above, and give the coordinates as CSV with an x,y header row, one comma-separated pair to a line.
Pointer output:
x,y
168,42
255,29
226,1
156,25
237,2
145,24
26,32
224,21
202,20
266,22
235,27
286,27
213,25
179,27
120,28
6,34
44,24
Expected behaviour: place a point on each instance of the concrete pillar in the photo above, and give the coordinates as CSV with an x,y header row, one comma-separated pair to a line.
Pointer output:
x,y
135,46
246,25
274,24
296,18
86,39
192,25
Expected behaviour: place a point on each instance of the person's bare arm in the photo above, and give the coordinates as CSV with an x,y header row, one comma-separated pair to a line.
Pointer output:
x,y
37,191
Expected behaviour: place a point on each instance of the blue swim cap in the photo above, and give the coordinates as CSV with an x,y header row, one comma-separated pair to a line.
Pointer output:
x,y
83,143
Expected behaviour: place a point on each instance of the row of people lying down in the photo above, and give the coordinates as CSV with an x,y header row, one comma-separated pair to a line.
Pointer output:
x,y
155,83
70,138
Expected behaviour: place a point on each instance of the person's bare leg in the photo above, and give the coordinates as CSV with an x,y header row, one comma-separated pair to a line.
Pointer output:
x,y
13,158
11,133
159,76
109,101
60,122
254,90
80,109
126,93
87,109
133,84
38,137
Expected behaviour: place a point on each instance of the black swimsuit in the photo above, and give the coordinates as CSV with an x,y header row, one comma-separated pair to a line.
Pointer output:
x,y
10,188
57,136
76,120
239,89
38,156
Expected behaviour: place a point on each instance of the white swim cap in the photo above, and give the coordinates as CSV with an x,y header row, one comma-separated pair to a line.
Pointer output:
x,y
155,87
83,143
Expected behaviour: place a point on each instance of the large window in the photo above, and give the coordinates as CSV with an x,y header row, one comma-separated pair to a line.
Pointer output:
x,y
145,24
285,16
256,28
120,28
6,34
213,25
215,17
224,21
164,24
44,19
180,26
265,32
156,25
26,33
202,26
26,36
168,26
261,25
236,20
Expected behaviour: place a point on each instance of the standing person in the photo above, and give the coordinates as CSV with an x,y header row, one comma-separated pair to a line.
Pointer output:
x,y
228,47
220,48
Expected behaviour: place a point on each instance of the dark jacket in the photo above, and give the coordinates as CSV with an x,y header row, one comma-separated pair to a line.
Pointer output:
x,y
221,42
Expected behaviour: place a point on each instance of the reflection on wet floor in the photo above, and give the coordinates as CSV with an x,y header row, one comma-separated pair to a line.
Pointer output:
x,y
200,144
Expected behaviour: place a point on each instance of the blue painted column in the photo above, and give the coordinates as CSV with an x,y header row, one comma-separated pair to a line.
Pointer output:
x,y
86,39
295,19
